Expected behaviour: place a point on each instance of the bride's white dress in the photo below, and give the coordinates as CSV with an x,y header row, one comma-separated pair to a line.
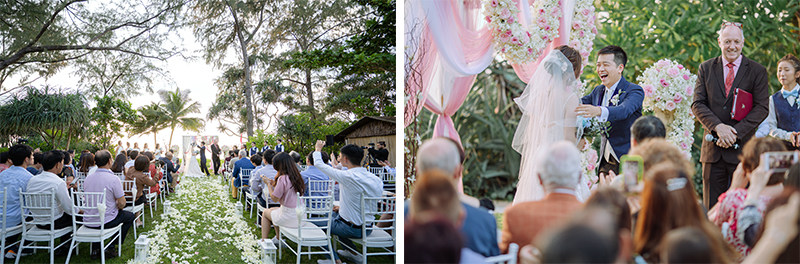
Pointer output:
x,y
548,105
192,167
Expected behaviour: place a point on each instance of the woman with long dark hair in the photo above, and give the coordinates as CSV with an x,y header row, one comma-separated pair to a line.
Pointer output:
x,y
87,164
283,189
119,163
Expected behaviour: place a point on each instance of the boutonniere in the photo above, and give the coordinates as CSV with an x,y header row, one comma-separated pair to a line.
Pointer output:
x,y
615,99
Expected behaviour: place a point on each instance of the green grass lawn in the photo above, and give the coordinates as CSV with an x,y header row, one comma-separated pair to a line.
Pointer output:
x,y
204,229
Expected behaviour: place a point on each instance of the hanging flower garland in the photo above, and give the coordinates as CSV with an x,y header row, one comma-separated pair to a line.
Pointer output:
x,y
518,44
583,30
668,91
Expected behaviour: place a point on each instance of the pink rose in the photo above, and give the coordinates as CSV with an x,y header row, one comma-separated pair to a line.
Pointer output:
x,y
585,12
488,19
541,11
528,33
594,30
576,25
686,77
677,98
592,157
503,49
555,11
541,21
530,51
684,145
662,63
670,105
585,55
494,3
505,38
547,27
673,72
649,90
510,20
505,14
581,34
689,90
590,167
680,66
559,3
575,44
687,133
514,40
509,33
525,39
664,82
546,38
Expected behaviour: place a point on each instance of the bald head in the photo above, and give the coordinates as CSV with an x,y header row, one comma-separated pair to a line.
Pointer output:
x,y
438,153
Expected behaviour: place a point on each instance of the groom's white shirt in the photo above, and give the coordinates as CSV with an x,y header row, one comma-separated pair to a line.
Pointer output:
x,y
608,151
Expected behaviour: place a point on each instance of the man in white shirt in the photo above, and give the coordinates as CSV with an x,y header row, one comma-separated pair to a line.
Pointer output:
x,y
52,163
131,159
355,182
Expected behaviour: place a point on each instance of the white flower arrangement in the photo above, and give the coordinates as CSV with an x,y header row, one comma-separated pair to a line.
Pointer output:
x,y
668,91
522,43
583,30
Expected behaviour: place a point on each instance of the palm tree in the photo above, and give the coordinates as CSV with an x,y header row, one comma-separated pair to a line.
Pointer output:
x,y
176,106
151,120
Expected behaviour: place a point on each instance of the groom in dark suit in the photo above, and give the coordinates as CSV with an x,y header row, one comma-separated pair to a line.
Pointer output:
x,y
616,101
717,78
215,151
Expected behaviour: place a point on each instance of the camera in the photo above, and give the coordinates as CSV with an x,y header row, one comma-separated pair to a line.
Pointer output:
x,y
22,141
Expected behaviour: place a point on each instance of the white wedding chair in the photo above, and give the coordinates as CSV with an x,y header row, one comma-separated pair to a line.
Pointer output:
x,y
35,207
380,237
94,202
244,179
312,209
6,231
129,188
120,175
152,197
375,170
510,258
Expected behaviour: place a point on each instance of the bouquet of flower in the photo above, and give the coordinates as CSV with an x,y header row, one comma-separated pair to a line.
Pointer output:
x,y
589,159
668,91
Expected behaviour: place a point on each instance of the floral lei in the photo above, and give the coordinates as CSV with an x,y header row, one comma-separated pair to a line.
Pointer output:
x,y
518,44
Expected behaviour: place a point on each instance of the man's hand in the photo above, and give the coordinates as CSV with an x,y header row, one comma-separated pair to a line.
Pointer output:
x,y
726,134
793,138
336,208
588,111
739,180
319,145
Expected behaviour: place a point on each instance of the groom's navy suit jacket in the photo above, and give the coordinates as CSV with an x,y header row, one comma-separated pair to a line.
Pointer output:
x,y
621,115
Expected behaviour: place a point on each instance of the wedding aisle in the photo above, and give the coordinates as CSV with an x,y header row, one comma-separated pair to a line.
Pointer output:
x,y
203,227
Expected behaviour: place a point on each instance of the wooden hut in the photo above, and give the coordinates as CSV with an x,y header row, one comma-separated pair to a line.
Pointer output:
x,y
372,129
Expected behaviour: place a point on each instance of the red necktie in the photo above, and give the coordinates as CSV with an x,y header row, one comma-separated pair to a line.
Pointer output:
x,y
729,79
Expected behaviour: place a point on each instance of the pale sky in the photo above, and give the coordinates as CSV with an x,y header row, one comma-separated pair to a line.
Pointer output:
x,y
196,76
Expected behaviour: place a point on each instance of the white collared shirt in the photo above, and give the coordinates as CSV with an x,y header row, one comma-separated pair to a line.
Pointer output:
x,y
770,125
565,191
606,100
43,183
353,183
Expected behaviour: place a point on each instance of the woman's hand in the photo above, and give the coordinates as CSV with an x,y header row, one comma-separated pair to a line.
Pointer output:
x,y
739,178
758,180
529,255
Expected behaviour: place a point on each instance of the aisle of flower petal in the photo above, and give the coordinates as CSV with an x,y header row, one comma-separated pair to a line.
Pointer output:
x,y
203,227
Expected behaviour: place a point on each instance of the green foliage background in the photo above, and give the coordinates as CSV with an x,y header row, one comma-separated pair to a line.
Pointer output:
x,y
684,31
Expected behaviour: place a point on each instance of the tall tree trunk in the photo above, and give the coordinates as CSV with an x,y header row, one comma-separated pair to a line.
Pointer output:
x,y
310,94
155,141
248,94
170,136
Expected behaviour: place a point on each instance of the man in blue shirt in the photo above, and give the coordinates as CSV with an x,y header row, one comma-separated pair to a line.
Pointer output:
x,y
13,179
313,174
36,167
242,163
265,147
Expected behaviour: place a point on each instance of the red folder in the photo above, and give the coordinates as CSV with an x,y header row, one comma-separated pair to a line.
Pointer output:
x,y
742,103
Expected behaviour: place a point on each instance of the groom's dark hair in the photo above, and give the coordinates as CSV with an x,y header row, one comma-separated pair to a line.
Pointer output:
x,y
620,57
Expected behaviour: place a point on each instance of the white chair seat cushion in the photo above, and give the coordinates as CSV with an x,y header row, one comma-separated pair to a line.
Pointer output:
x,y
135,208
90,234
312,235
10,231
378,238
38,234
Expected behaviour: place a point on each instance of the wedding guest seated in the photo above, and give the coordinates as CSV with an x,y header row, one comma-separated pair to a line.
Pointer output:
x,y
589,238
105,180
655,151
257,184
171,168
5,163
67,172
284,189
690,245
356,181
155,172
140,165
313,174
87,164
119,163
53,162
670,202
559,175
13,179
131,157
763,188
647,127
480,227
297,159
256,160
36,168
242,163
435,197
434,241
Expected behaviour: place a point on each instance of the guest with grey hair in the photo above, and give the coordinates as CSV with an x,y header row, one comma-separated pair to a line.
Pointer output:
x,y
559,171
242,163
480,227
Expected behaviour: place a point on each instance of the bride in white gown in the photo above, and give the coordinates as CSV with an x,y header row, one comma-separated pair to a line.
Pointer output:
x,y
548,105
193,167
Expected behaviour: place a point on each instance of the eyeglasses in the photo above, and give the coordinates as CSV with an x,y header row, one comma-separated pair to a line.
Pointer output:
x,y
728,23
